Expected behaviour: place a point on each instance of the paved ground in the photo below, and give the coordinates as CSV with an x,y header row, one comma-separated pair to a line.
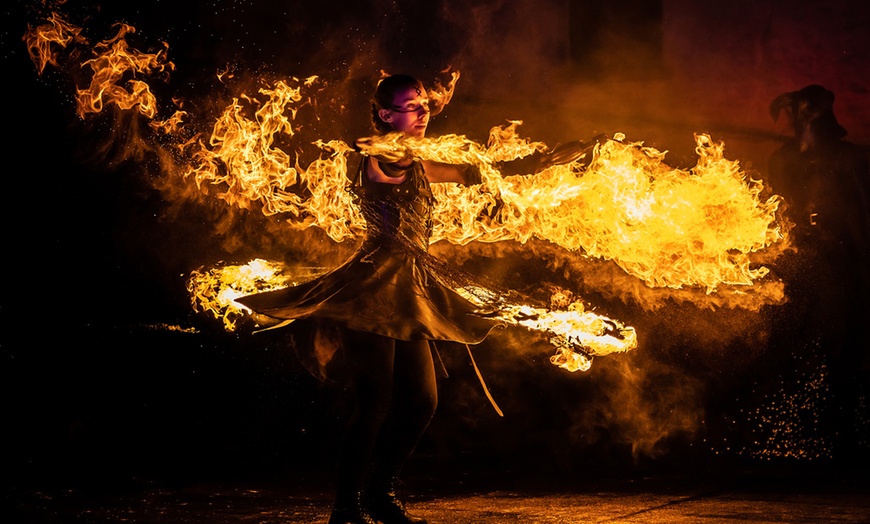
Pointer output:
x,y
639,501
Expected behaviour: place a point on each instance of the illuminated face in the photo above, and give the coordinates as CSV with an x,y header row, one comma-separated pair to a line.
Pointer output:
x,y
409,113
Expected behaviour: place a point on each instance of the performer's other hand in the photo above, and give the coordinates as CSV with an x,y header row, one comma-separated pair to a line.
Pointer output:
x,y
571,152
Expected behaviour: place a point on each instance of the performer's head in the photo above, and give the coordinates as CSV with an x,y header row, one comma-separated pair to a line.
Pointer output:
x,y
401,104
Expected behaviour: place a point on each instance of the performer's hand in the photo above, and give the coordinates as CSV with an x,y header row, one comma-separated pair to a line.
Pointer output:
x,y
571,152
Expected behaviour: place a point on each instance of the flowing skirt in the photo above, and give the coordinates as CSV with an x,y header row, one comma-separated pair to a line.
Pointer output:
x,y
386,290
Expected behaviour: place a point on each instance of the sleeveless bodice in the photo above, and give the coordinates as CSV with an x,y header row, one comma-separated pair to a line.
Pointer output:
x,y
396,214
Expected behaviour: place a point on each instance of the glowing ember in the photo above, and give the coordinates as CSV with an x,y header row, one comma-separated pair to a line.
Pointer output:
x,y
787,422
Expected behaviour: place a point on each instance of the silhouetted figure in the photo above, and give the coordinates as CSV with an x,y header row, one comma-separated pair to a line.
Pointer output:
x,y
824,181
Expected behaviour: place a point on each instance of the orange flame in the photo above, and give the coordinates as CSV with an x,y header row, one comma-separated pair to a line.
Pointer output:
x,y
114,59
40,40
171,125
668,227
243,159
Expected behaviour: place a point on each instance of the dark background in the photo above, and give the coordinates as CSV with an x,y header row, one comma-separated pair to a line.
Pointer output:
x,y
109,375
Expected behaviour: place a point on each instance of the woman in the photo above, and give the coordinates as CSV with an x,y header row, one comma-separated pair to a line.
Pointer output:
x,y
392,298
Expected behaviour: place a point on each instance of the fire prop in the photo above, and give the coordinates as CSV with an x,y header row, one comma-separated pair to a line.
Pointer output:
x,y
705,228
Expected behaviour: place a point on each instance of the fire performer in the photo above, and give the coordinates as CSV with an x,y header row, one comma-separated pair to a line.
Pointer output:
x,y
391,299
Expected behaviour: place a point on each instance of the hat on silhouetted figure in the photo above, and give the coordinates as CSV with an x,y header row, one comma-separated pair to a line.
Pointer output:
x,y
811,109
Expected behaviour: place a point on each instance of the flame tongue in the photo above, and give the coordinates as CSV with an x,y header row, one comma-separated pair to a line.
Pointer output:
x,y
577,334
113,61
58,31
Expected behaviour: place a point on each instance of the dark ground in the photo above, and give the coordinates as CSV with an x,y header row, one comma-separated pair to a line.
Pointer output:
x,y
220,437
756,498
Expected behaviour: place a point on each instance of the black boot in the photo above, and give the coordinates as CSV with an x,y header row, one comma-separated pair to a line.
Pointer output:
x,y
384,506
349,510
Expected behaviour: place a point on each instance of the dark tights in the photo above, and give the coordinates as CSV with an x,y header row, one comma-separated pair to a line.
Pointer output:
x,y
396,396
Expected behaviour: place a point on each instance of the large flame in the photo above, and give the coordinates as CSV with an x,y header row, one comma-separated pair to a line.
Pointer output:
x,y
670,228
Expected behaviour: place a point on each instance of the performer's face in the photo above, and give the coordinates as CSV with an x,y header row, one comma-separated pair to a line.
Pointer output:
x,y
409,113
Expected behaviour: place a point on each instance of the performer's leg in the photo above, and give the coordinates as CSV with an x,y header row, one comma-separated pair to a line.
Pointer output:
x,y
415,397
370,359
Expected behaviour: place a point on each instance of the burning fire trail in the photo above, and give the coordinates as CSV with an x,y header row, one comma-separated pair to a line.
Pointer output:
x,y
668,227
705,228
577,334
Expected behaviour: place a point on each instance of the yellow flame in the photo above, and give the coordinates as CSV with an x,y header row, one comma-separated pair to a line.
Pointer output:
x,y
577,334
244,161
669,227
214,290
666,226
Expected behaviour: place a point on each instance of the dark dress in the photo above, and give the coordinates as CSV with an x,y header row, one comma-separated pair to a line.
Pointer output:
x,y
391,286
